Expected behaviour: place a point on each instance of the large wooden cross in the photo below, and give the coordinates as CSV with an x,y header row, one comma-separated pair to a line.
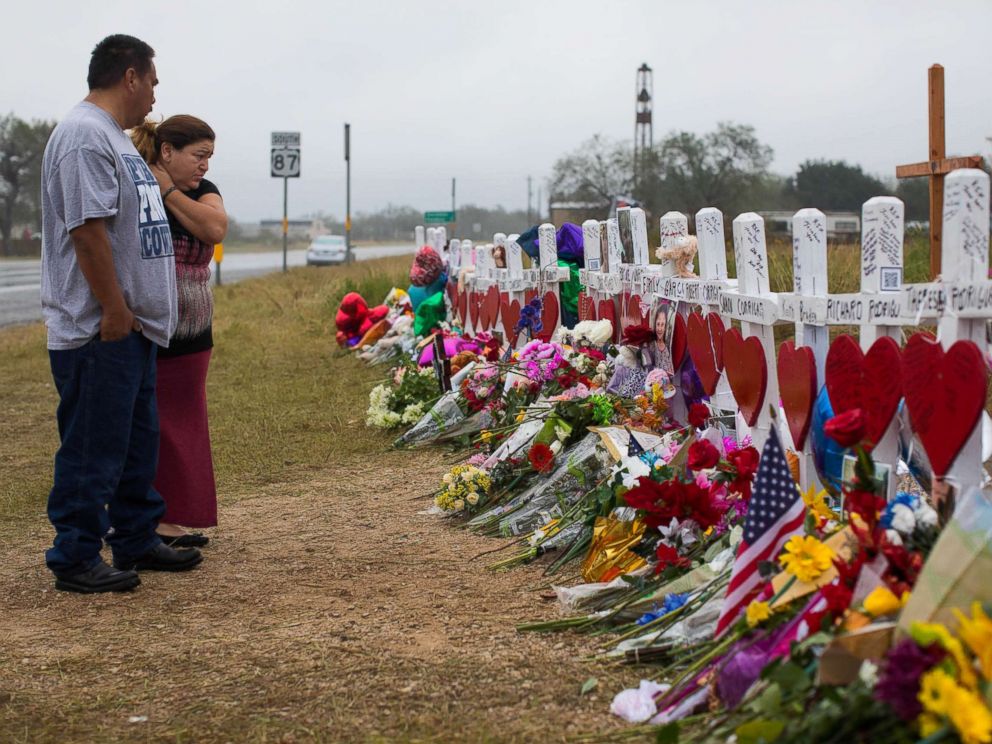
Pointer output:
x,y
937,166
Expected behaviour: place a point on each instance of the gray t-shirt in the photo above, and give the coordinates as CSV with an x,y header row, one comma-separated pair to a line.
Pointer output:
x,y
91,170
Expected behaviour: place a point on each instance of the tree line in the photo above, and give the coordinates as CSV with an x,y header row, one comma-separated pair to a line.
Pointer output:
x,y
727,168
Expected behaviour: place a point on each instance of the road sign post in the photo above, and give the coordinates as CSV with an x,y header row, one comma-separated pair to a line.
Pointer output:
x,y
285,164
347,192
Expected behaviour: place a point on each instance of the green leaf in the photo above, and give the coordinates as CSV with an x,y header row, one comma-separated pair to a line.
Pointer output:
x,y
589,685
759,732
577,473
790,677
668,734
769,702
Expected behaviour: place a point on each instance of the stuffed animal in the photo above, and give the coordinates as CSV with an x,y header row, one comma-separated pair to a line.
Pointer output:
x,y
681,254
354,318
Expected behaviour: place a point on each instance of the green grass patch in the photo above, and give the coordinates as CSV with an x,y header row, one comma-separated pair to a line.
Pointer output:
x,y
283,399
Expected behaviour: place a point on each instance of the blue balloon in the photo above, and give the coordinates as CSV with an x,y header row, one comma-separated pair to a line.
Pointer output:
x,y
827,454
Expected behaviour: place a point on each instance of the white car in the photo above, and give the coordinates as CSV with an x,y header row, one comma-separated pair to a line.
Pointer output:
x,y
327,249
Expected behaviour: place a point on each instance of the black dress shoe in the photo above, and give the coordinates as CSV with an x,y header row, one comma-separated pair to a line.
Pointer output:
x,y
189,540
100,578
163,558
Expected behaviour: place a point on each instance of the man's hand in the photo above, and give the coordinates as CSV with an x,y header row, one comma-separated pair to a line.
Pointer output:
x,y
118,323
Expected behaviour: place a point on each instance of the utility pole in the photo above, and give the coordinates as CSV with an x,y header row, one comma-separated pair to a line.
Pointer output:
x,y
454,214
539,212
347,191
529,220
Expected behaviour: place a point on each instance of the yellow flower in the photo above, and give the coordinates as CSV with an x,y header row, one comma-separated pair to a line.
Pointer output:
x,y
882,601
929,724
937,689
486,436
756,612
976,631
806,557
971,717
927,633
816,502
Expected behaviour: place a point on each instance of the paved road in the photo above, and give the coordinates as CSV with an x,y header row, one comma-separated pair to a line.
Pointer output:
x,y
20,281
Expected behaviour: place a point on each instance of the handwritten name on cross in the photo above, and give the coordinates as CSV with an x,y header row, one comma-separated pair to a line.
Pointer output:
x,y
938,165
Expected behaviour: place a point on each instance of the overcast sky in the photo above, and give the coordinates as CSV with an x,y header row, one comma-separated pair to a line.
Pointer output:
x,y
493,92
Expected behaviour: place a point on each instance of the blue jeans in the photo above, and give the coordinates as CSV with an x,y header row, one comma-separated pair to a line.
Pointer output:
x,y
108,424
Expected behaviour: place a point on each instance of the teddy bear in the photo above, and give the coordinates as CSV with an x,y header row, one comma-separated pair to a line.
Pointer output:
x,y
681,254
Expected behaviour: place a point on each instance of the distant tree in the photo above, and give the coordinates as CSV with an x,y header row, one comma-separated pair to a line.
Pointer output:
x,y
596,171
21,147
833,185
915,193
719,169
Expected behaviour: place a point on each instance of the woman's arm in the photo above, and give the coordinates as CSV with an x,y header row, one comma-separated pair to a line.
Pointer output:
x,y
204,218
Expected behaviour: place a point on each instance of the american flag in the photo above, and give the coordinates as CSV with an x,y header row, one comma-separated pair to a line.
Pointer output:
x,y
775,514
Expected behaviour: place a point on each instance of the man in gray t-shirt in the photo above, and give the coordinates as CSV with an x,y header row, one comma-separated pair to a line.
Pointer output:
x,y
108,290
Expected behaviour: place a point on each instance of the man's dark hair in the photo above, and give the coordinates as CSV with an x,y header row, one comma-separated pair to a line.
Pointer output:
x,y
113,56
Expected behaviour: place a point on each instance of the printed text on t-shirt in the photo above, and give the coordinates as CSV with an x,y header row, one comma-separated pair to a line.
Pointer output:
x,y
153,222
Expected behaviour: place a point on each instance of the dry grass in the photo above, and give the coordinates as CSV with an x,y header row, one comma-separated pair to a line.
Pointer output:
x,y
328,609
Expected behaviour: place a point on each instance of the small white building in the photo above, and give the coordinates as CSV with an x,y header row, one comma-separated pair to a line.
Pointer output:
x,y
841,226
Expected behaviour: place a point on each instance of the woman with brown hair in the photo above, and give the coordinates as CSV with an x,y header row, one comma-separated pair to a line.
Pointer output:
x,y
178,151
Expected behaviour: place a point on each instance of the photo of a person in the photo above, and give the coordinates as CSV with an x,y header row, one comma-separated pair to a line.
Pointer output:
x,y
626,234
657,354
604,249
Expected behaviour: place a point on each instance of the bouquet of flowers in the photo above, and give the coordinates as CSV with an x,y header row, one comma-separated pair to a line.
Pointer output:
x,y
407,396
465,489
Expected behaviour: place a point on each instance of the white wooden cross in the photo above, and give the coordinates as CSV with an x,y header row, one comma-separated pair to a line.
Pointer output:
x,y
485,266
673,227
418,236
590,274
631,274
467,271
440,238
512,285
962,299
805,306
756,307
551,273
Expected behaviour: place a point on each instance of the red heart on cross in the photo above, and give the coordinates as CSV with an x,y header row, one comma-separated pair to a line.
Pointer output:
x,y
608,311
529,294
587,307
679,341
945,395
747,372
871,382
549,316
452,289
633,313
490,308
474,306
510,313
797,386
463,306
716,328
703,351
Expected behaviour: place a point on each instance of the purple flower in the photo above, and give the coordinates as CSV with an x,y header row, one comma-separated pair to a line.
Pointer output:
x,y
899,679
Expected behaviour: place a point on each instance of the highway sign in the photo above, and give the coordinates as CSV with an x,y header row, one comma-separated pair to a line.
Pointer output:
x,y
286,139
438,218
285,162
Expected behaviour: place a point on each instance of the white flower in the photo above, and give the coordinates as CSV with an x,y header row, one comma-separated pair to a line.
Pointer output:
x,y
637,706
556,446
459,505
925,515
632,468
535,537
903,519
600,333
868,673
561,433
472,499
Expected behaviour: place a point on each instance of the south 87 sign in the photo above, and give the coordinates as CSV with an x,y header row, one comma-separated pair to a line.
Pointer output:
x,y
285,162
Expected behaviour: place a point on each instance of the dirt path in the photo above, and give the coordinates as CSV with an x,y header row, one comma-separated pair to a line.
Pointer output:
x,y
326,610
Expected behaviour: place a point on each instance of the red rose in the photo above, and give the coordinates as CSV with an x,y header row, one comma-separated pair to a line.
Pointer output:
x,y
847,429
838,598
698,414
542,459
673,499
669,556
745,463
703,455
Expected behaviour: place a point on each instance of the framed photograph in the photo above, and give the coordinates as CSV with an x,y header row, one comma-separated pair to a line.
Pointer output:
x,y
882,472
604,248
626,234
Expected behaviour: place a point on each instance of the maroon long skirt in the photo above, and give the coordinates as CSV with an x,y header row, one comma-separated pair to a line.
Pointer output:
x,y
185,476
